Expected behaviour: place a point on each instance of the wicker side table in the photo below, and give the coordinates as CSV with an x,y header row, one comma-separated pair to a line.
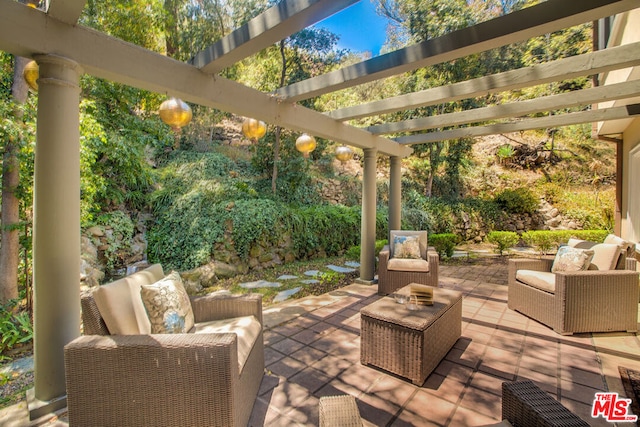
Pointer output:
x,y
410,343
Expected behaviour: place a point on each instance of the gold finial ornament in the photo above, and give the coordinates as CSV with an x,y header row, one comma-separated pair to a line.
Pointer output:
x,y
176,113
31,73
253,129
344,153
305,144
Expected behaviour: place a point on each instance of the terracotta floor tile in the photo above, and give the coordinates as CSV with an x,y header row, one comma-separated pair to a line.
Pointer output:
x,y
306,336
430,407
392,389
331,365
308,355
287,346
454,371
488,383
271,356
537,364
482,402
580,376
306,413
578,392
286,367
311,379
471,418
445,388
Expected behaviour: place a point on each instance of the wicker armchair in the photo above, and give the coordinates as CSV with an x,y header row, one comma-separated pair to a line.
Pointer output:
x,y
164,379
392,277
524,404
580,301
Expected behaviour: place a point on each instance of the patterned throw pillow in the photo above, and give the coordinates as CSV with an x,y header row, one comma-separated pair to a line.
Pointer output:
x,y
168,306
571,259
406,247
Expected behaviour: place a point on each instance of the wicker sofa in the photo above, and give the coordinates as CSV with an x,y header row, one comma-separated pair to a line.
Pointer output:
x,y
592,300
395,272
184,379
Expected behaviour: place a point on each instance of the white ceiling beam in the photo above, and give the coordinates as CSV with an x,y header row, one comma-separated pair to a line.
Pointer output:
x,y
276,23
581,65
545,17
591,116
67,11
514,109
25,31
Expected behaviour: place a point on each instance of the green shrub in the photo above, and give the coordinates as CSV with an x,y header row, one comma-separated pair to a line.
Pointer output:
x,y
444,243
15,327
545,240
504,239
518,201
354,251
118,239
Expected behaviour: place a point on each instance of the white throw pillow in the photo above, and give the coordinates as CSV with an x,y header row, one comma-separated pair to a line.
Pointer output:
x,y
168,305
571,259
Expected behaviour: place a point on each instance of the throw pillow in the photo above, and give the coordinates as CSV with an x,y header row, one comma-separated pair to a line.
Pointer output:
x,y
168,306
406,247
571,259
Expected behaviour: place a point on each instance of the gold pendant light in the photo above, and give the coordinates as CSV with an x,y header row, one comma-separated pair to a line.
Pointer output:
x,y
305,144
344,153
176,113
31,73
253,129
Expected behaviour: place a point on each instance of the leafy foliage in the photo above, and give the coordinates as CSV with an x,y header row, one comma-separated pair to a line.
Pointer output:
x,y
15,327
444,243
517,201
545,240
503,239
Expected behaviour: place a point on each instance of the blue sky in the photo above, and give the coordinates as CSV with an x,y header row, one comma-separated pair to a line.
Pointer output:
x,y
359,27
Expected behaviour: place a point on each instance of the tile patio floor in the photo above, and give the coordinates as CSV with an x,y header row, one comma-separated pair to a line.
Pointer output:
x,y
313,350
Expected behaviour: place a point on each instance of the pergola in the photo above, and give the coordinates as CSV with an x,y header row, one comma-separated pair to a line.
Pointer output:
x,y
65,50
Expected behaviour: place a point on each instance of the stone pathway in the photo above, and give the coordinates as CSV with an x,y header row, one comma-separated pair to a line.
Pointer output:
x,y
350,267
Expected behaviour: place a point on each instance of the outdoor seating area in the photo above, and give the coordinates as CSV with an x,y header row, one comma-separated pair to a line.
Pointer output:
x,y
312,350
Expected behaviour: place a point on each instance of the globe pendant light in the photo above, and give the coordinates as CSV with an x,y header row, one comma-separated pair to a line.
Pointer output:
x,y
176,113
253,129
344,153
31,73
305,144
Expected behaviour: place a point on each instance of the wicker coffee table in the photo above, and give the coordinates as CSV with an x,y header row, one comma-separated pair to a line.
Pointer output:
x,y
410,343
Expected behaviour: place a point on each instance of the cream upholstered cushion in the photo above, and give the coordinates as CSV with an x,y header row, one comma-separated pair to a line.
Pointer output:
x,y
247,328
408,264
571,259
121,306
422,241
168,306
605,256
543,280
628,247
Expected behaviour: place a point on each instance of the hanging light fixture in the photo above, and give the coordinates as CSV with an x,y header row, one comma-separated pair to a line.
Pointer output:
x,y
176,113
31,73
344,153
305,144
253,129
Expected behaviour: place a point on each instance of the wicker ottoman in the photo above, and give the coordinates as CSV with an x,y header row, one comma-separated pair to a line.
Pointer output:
x,y
410,343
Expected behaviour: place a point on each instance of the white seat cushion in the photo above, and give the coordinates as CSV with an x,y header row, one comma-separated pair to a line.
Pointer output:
x,y
605,256
121,306
543,280
247,328
408,264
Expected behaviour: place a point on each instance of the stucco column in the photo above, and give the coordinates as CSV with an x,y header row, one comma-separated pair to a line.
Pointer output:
x,y
368,222
56,229
395,193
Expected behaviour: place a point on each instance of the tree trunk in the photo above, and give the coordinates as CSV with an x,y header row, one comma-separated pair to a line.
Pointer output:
x,y
10,219
276,143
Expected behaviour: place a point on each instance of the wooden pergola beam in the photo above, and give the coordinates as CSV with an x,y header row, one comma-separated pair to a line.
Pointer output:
x,y
514,109
615,113
67,11
581,65
25,31
545,17
271,26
